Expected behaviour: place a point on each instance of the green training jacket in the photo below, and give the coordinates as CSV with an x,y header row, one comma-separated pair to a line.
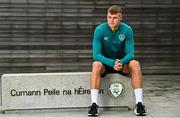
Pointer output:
x,y
110,45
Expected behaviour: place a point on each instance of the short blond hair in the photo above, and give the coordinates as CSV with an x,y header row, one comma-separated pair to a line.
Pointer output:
x,y
115,9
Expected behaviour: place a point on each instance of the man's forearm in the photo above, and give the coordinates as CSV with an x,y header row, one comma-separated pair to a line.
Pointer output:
x,y
104,60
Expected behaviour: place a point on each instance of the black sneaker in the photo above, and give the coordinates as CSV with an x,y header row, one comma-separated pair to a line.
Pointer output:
x,y
140,109
93,111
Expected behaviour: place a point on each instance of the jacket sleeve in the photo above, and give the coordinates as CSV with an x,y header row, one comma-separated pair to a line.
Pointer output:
x,y
129,47
97,48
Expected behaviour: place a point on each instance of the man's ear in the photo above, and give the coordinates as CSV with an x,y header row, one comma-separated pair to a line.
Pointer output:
x,y
120,16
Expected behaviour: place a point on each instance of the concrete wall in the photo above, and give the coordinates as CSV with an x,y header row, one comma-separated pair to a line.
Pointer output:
x,y
63,90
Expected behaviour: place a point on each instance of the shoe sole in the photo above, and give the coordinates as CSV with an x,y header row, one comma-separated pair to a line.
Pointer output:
x,y
140,114
93,115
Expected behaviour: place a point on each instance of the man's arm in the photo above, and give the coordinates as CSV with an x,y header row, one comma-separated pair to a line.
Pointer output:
x,y
129,48
97,49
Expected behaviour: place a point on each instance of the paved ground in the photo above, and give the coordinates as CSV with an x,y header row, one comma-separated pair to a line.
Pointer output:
x,y
161,97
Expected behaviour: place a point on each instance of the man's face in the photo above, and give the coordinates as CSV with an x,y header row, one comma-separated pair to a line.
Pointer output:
x,y
114,20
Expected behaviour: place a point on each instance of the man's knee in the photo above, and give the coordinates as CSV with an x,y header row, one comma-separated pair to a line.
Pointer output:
x,y
134,64
97,65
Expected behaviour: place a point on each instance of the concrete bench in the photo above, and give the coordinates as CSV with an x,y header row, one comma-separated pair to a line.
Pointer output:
x,y
60,90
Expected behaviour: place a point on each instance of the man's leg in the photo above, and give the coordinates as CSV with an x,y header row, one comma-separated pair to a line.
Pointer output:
x,y
97,70
133,67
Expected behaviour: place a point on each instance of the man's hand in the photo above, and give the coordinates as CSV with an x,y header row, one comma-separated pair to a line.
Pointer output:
x,y
118,65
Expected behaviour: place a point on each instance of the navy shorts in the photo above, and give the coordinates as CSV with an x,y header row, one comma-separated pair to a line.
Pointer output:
x,y
109,69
